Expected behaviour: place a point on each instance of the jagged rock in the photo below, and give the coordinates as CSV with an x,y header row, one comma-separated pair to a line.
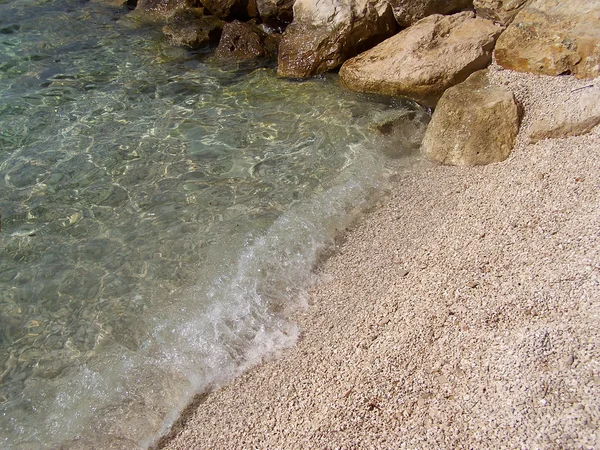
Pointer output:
x,y
552,38
474,123
275,13
325,33
501,11
165,7
574,115
424,60
190,28
408,12
241,41
232,9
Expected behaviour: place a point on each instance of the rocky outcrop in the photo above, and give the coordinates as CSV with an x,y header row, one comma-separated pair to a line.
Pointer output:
x,y
501,11
474,123
552,37
275,13
576,114
424,60
325,33
231,9
408,12
191,28
241,41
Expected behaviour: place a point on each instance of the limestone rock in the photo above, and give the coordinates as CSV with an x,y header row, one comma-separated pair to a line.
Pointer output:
x,y
474,123
241,41
190,28
501,11
326,33
275,13
424,60
552,38
575,115
232,9
408,12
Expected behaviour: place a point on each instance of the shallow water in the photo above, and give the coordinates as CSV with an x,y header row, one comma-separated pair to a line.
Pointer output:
x,y
161,217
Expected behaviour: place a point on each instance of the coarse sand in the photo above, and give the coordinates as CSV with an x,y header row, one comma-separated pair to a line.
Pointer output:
x,y
462,312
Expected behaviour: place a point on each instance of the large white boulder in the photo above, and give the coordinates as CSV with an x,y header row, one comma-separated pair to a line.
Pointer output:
x,y
424,60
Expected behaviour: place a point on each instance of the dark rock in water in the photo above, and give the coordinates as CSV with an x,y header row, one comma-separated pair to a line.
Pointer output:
x,y
402,130
241,41
10,29
191,28
165,7
232,9
275,13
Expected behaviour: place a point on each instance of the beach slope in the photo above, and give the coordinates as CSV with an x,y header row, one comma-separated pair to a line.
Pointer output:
x,y
463,312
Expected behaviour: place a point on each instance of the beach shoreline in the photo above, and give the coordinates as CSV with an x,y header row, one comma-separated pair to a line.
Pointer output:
x,y
462,312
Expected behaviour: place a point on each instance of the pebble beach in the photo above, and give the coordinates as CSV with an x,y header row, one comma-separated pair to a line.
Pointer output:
x,y
462,312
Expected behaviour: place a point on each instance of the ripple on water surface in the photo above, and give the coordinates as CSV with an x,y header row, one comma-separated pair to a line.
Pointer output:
x,y
161,218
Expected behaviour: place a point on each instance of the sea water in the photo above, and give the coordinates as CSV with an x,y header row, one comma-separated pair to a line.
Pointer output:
x,y
162,215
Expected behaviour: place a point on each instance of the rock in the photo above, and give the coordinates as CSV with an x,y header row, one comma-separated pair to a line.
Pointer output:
x,y
574,116
241,41
403,130
553,38
113,3
232,9
408,12
501,11
569,360
422,61
275,13
324,34
190,28
474,123
165,7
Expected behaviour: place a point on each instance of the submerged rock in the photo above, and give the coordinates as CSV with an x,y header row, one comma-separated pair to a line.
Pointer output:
x,y
275,13
232,9
241,41
191,28
408,12
501,11
324,34
553,38
424,60
403,130
164,7
474,123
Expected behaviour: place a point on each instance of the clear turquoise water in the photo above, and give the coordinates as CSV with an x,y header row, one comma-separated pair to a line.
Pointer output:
x,y
162,215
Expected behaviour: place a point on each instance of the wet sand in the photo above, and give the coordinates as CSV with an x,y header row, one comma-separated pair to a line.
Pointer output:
x,y
463,312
